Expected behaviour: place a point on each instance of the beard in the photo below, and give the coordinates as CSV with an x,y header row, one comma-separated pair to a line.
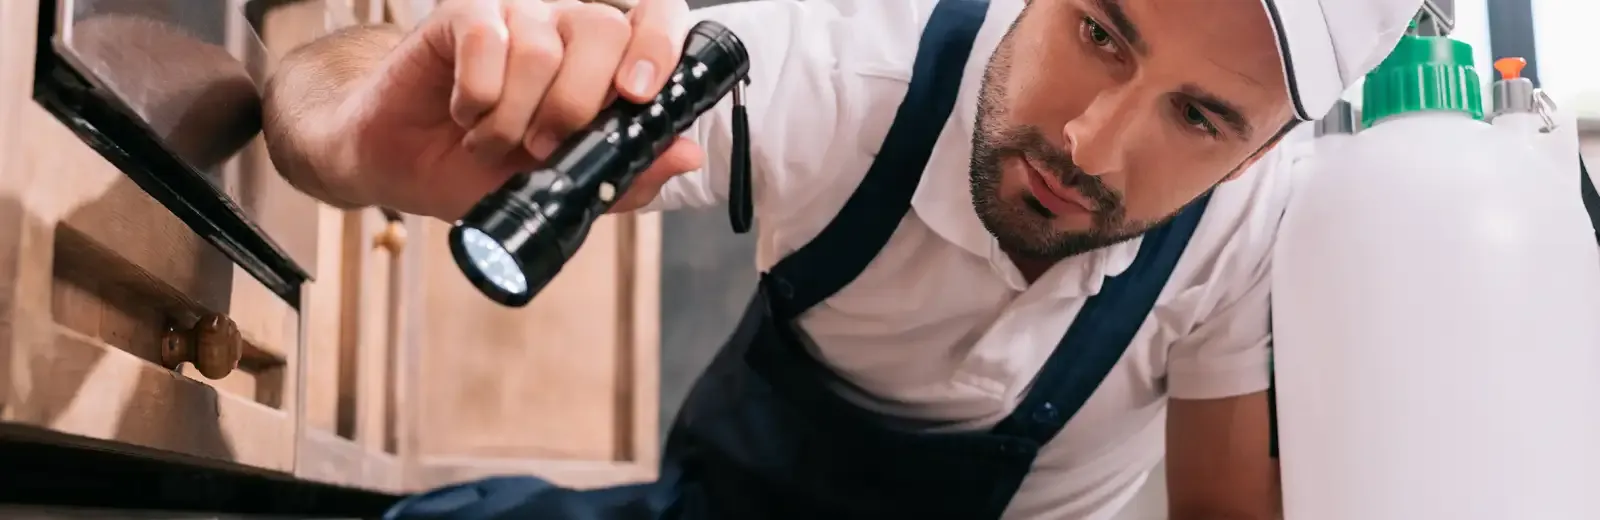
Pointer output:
x,y
1022,225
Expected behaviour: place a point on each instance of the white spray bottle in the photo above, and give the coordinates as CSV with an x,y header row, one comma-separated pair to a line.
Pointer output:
x,y
1436,309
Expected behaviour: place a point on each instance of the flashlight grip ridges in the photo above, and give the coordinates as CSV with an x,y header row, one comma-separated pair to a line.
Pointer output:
x,y
631,136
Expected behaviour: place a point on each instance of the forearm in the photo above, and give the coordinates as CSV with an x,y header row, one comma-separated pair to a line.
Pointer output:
x,y
1219,463
310,83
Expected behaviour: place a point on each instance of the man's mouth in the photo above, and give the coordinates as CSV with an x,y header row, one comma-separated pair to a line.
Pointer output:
x,y
1059,199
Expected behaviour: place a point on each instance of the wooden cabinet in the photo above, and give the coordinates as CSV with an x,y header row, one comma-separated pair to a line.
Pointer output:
x,y
565,388
351,423
108,302
125,326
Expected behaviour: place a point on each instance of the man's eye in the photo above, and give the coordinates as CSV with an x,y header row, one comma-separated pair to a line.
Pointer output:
x,y
1196,118
1096,34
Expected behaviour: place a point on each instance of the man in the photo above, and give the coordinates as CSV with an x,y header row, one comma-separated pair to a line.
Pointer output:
x,y
1008,246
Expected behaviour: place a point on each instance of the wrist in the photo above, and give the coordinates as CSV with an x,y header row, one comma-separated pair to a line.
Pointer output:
x,y
308,155
313,113
337,165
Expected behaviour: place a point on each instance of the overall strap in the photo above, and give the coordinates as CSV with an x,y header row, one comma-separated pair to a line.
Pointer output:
x,y
1102,331
1591,197
844,248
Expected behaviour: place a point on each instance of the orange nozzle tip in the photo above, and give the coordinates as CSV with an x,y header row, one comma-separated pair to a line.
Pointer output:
x,y
1510,68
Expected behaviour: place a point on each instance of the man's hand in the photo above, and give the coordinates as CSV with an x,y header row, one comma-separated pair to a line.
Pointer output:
x,y
480,90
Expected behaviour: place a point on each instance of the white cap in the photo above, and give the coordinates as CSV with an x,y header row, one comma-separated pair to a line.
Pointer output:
x,y
1328,45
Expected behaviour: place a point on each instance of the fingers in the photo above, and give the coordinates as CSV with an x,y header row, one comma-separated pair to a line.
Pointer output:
x,y
479,39
681,157
595,36
659,28
535,56
531,73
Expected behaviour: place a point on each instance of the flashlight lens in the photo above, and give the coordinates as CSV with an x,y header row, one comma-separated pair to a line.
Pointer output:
x,y
493,262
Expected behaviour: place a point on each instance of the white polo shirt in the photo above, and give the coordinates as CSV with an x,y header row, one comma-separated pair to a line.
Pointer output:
x,y
941,327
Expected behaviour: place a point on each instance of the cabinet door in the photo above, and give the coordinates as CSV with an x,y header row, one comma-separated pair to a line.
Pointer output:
x,y
350,435
565,388
117,322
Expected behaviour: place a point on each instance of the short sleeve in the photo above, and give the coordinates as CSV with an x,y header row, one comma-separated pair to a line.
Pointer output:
x,y
1228,353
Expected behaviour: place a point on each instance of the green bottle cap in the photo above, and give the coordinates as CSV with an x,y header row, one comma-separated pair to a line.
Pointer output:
x,y
1423,73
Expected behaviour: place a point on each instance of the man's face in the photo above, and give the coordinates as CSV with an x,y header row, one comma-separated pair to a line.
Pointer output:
x,y
1100,119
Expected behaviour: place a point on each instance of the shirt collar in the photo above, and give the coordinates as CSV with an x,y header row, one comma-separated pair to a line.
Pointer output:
x,y
943,200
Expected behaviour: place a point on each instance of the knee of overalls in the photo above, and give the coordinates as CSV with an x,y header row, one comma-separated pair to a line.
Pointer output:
x,y
494,497
531,498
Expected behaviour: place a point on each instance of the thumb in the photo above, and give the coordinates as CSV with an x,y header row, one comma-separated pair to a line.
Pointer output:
x,y
681,157
656,46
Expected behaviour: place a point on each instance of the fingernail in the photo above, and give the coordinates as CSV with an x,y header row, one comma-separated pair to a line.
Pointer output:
x,y
643,73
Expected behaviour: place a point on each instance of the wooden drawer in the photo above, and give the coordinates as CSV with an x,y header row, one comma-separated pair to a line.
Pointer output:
x,y
101,288
98,280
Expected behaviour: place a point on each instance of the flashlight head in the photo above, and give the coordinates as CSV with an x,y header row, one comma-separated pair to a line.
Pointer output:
x,y
513,242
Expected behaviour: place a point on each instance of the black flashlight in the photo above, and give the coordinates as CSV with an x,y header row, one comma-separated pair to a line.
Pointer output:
x,y
516,239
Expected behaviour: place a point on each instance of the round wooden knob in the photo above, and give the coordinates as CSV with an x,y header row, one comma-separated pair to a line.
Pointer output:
x,y
213,345
393,237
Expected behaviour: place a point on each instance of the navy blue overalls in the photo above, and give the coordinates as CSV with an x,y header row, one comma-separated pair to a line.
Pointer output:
x,y
762,437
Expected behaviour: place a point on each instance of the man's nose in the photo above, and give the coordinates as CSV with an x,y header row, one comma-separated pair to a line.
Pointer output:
x,y
1097,137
